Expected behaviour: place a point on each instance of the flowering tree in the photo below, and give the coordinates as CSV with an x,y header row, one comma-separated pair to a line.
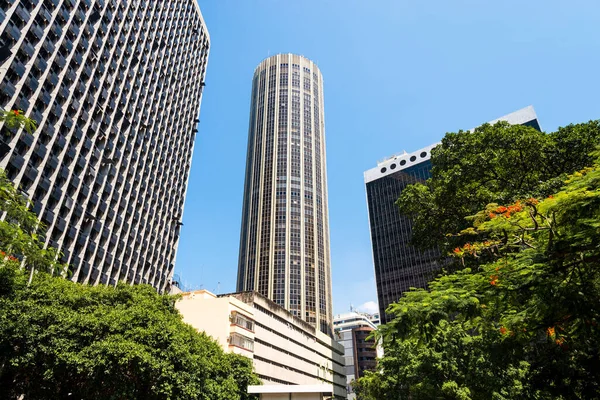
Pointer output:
x,y
15,119
498,163
518,318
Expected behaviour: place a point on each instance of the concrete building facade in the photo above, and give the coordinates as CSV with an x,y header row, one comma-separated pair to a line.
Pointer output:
x,y
398,265
285,349
284,241
115,88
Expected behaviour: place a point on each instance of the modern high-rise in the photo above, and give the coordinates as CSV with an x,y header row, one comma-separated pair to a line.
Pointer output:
x,y
284,240
115,88
398,265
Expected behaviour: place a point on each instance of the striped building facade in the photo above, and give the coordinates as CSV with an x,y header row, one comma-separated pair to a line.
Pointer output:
x,y
284,244
115,87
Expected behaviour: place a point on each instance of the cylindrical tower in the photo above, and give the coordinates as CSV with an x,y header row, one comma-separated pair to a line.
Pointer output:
x,y
284,243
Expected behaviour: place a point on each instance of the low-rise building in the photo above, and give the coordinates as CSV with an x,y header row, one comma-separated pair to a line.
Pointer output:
x,y
228,320
285,349
352,331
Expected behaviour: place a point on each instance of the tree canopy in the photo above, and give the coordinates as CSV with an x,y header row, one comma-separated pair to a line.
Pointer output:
x,y
493,164
60,339
518,318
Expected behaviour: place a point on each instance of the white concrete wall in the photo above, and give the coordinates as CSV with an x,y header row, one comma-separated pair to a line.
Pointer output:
x,y
294,396
305,355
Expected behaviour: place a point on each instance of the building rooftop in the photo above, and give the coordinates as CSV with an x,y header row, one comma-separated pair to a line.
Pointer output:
x,y
353,320
398,162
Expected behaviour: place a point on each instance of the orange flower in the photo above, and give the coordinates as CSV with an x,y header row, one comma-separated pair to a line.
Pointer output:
x,y
550,197
513,209
16,112
492,215
551,331
501,209
494,280
560,341
503,330
457,251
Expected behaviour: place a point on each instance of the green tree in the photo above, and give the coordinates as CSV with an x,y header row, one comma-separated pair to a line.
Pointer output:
x,y
493,164
15,119
59,339
520,320
20,230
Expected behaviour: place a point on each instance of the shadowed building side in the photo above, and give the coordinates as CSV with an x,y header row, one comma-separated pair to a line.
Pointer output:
x,y
398,265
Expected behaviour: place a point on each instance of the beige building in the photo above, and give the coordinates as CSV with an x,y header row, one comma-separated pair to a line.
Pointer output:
x,y
228,320
285,349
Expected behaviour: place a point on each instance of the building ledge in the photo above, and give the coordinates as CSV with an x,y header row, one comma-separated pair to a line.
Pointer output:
x,y
288,389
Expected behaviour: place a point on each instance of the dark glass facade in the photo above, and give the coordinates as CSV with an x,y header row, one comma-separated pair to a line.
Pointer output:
x,y
398,265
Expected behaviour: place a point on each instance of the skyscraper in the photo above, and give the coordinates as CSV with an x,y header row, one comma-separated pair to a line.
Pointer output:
x,y
115,88
284,241
398,265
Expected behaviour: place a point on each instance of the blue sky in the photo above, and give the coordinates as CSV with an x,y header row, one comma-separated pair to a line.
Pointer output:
x,y
397,76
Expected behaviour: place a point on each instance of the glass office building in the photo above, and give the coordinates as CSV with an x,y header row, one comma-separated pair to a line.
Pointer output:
x,y
284,241
398,265
115,87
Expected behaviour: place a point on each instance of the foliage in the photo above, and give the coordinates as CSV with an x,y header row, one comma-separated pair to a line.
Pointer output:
x,y
20,228
493,164
59,339
522,323
20,231
15,119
